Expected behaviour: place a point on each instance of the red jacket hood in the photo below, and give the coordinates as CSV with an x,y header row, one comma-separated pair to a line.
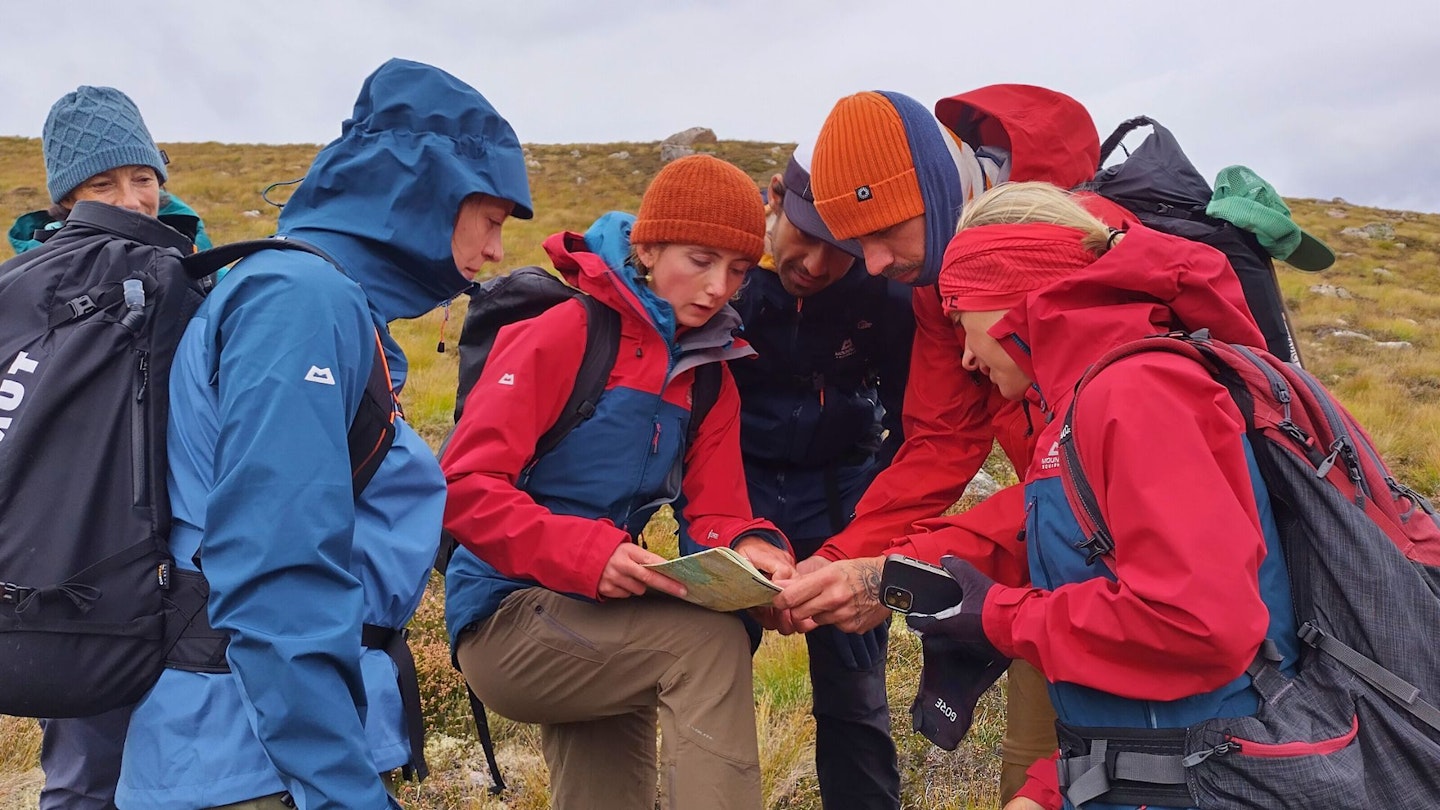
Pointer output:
x,y
1149,284
1050,135
588,272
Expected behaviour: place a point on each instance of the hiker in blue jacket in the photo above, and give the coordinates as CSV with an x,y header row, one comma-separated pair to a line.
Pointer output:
x,y
302,573
834,353
97,149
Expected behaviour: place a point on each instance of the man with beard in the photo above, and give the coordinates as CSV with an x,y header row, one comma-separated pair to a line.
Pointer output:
x,y
816,405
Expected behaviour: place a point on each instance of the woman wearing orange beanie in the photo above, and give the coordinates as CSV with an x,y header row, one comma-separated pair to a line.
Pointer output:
x,y
548,604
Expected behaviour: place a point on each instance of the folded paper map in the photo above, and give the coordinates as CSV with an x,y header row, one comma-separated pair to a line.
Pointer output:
x,y
719,579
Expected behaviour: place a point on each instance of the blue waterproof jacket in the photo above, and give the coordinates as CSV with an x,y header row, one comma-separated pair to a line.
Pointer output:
x,y
267,378
30,230
828,380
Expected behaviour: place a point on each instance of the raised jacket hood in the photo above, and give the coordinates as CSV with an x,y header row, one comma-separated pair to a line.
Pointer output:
x,y
382,198
1050,135
1150,283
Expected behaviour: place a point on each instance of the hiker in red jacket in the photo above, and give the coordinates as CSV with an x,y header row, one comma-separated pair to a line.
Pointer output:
x,y
552,615
895,178
1158,632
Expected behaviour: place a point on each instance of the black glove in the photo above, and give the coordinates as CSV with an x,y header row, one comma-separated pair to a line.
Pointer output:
x,y
960,663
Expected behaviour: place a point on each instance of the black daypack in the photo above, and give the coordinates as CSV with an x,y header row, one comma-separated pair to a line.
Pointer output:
x,y
89,325
1358,725
1160,185
519,295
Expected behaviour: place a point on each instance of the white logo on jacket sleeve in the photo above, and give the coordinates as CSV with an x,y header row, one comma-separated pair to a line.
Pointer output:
x,y
320,375
507,379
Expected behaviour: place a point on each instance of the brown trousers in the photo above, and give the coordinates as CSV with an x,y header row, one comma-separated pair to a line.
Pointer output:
x,y
1029,726
596,677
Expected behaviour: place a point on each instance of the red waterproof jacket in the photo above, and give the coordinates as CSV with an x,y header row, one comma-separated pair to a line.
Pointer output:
x,y
556,523
952,416
1160,633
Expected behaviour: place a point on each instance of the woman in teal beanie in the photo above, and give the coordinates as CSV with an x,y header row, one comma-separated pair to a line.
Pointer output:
x,y
97,147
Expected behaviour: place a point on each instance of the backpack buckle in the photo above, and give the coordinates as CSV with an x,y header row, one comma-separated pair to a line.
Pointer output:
x,y
11,594
80,307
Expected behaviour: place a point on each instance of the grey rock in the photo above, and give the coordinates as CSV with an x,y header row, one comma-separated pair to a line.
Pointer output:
x,y
1331,291
621,155
672,151
532,163
579,180
252,213
1338,213
692,136
1399,345
771,162
982,486
1380,271
574,153
1350,334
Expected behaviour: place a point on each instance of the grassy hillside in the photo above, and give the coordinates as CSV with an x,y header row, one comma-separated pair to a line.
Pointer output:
x,y
1370,335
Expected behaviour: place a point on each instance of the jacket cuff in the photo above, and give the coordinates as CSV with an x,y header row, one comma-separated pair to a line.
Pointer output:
x,y
771,536
1042,785
997,616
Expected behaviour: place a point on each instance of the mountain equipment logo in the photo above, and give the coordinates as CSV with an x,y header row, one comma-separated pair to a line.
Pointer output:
x,y
320,375
864,193
507,379
1052,458
846,349
863,324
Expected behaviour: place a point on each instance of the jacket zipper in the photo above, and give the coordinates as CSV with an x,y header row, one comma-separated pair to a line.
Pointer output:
x,y
139,432
1321,748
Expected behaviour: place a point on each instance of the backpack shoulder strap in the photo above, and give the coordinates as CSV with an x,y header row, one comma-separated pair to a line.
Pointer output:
x,y
1099,541
602,343
704,391
206,262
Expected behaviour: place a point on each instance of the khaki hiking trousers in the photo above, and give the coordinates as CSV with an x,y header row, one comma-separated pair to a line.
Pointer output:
x,y
1029,726
597,677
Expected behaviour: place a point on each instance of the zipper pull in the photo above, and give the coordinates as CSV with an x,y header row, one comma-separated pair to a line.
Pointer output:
x,y
655,440
1220,750
1329,461
444,322
144,376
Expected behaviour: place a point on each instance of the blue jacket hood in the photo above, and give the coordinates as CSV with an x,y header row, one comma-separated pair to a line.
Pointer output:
x,y
382,198
609,238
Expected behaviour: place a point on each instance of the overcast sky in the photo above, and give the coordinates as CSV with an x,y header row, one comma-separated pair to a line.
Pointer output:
x,y
1323,98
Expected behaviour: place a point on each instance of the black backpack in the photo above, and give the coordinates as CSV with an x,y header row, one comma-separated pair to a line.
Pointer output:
x,y
1160,185
521,294
89,325
1358,724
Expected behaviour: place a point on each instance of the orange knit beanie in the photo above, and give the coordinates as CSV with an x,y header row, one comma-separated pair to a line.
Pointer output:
x,y
702,200
862,173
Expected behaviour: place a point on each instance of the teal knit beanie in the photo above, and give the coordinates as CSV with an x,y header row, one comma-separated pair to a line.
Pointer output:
x,y
94,130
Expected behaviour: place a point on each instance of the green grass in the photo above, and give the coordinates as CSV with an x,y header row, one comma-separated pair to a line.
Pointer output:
x,y
1394,392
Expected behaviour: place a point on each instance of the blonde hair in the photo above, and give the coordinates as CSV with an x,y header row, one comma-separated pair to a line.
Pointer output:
x,y
1023,203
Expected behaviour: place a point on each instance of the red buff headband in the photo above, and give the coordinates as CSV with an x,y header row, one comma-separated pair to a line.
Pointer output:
x,y
993,267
